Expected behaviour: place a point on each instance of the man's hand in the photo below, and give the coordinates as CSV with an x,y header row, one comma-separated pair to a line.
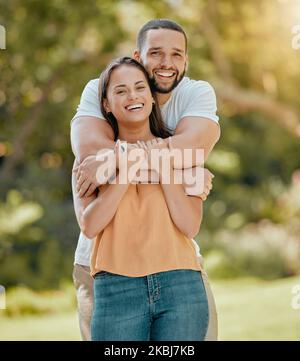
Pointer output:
x,y
198,190
95,170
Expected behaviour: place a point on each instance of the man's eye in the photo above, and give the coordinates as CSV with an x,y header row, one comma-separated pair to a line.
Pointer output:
x,y
178,55
155,53
141,88
121,92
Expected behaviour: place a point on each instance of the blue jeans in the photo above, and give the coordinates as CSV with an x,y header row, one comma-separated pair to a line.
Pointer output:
x,y
165,306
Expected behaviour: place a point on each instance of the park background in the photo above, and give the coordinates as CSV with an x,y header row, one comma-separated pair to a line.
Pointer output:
x,y
250,235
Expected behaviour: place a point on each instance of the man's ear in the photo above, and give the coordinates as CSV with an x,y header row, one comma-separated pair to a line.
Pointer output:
x,y
137,55
186,63
106,105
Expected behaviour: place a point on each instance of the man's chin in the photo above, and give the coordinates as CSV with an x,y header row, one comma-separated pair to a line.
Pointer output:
x,y
163,89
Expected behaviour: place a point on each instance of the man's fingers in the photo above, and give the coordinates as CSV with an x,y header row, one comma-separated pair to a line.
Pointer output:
x,y
80,182
203,197
84,187
90,190
78,175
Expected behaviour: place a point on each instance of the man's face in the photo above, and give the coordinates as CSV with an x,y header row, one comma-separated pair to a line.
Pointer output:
x,y
164,57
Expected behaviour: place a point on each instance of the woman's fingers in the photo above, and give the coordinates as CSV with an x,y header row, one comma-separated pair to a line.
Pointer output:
x,y
142,144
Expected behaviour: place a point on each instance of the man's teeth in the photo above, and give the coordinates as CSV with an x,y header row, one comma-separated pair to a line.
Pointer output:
x,y
135,106
165,74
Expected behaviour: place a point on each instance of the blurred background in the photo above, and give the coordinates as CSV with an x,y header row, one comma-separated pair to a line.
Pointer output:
x,y
250,235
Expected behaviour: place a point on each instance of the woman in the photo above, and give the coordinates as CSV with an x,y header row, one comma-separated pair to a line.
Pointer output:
x,y
147,278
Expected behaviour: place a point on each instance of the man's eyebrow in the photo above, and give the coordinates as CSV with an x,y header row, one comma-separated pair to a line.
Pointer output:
x,y
155,48
159,48
179,50
124,85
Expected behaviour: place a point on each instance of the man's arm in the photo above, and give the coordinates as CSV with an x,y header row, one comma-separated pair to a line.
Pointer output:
x,y
89,135
196,133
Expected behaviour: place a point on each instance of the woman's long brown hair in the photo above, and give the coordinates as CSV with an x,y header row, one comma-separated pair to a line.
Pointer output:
x,y
157,126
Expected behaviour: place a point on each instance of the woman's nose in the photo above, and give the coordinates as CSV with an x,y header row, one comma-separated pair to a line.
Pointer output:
x,y
132,95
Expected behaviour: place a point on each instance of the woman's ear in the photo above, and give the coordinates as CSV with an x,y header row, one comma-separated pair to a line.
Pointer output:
x,y
106,105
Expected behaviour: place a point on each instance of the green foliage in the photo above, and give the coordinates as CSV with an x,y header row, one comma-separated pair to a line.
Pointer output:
x,y
23,301
265,249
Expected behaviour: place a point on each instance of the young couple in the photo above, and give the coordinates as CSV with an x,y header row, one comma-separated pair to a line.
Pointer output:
x,y
137,271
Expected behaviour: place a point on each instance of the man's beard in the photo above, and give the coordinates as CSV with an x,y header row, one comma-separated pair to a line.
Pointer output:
x,y
160,90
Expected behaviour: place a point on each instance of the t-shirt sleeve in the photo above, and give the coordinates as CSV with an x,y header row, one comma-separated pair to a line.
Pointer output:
x,y
201,101
89,102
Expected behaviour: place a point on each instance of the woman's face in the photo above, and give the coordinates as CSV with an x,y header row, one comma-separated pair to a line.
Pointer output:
x,y
128,95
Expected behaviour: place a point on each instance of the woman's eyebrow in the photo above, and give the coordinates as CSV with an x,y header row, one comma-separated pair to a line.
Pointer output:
x,y
124,85
119,86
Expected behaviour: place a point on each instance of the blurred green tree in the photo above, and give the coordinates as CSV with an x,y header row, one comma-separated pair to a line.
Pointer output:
x,y
53,48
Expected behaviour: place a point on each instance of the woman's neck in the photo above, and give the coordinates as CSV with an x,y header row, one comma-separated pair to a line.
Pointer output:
x,y
133,132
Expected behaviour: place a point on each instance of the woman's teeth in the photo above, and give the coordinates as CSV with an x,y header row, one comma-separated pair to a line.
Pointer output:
x,y
135,106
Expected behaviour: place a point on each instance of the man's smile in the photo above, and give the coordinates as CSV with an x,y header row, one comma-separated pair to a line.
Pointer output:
x,y
163,74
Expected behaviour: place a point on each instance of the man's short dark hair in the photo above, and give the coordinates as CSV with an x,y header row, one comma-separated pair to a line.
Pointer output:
x,y
158,24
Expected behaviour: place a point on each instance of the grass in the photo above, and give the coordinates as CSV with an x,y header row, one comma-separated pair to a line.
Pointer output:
x,y
248,310
257,310
40,328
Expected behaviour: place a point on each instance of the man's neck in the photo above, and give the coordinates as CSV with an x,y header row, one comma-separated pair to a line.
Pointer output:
x,y
163,98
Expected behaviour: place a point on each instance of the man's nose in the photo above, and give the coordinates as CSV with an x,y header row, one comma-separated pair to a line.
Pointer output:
x,y
166,61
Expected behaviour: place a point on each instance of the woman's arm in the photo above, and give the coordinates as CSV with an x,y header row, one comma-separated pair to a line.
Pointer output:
x,y
93,213
96,211
185,211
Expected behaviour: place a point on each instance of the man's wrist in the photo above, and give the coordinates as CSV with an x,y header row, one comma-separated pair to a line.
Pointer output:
x,y
170,147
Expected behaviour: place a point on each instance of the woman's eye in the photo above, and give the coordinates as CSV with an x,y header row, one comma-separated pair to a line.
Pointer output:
x,y
178,55
154,53
141,88
121,92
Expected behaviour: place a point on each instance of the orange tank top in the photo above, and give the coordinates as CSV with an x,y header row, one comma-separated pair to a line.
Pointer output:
x,y
142,239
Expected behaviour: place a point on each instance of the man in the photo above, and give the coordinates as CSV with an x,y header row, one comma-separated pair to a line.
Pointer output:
x,y
188,107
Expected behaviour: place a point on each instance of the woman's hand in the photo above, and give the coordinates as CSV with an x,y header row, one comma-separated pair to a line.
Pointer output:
x,y
130,159
153,147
